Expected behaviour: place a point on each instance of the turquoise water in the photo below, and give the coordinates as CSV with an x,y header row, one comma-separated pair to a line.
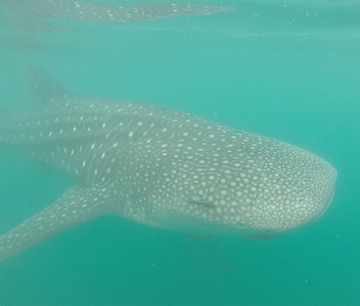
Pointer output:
x,y
287,70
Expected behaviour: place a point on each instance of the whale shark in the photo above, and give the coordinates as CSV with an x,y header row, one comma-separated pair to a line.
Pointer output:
x,y
26,16
159,167
23,11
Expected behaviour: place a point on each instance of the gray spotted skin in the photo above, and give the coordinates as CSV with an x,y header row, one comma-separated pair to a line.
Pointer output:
x,y
26,15
97,12
161,168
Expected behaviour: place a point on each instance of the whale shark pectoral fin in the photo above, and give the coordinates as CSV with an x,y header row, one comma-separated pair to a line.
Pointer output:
x,y
76,206
43,87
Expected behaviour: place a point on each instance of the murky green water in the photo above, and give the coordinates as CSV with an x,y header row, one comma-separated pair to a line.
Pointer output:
x,y
284,69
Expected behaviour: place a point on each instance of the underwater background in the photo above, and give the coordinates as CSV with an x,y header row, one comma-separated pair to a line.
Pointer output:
x,y
289,70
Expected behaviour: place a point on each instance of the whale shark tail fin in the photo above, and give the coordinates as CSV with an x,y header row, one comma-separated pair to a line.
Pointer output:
x,y
44,88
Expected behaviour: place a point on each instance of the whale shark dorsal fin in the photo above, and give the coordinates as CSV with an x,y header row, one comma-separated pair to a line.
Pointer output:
x,y
44,88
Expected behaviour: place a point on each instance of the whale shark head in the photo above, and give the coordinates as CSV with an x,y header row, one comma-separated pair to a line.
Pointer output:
x,y
160,167
213,178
